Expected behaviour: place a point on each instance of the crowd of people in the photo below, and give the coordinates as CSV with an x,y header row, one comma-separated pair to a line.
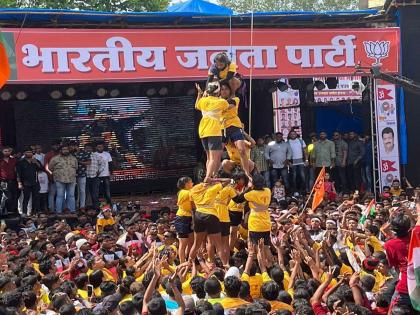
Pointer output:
x,y
34,182
237,243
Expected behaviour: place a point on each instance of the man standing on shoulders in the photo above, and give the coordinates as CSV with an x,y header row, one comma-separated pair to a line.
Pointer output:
x,y
105,174
63,168
278,154
299,160
354,161
324,154
96,166
339,173
83,159
27,178
55,150
258,157
8,183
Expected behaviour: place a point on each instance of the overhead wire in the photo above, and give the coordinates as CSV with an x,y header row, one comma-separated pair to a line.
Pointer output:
x,y
251,70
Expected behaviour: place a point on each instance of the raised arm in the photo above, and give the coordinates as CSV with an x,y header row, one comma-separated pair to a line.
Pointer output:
x,y
152,285
316,298
177,296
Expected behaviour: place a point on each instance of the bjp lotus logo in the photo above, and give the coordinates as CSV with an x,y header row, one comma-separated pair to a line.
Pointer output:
x,y
377,50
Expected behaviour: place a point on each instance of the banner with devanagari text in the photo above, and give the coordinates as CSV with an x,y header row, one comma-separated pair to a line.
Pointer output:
x,y
80,55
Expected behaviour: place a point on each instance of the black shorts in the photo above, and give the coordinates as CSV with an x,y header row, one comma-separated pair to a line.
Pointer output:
x,y
212,143
256,236
233,134
206,223
235,218
183,226
225,228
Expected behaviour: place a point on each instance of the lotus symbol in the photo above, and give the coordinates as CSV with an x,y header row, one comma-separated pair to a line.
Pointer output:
x,y
377,50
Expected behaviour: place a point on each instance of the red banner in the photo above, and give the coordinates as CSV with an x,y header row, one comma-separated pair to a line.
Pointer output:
x,y
70,55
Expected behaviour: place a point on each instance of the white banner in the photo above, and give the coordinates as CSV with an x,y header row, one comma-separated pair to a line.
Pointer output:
x,y
387,133
343,92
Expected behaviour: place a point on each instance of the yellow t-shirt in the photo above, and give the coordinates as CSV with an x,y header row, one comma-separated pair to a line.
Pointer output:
x,y
83,294
107,274
255,283
345,270
259,218
233,152
204,197
375,243
236,207
243,232
102,222
184,203
277,305
222,201
212,108
230,116
222,74
395,192
229,303
380,280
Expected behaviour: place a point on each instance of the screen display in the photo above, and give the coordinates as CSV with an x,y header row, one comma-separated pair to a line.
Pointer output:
x,y
148,138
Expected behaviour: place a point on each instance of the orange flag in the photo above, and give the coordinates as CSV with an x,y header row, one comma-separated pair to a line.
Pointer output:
x,y
319,190
4,64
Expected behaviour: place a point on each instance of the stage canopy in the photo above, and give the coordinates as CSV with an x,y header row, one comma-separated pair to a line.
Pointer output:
x,y
200,6
193,13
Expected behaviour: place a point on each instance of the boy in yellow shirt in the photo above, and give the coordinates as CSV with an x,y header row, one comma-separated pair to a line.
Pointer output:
x,y
183,220
210,128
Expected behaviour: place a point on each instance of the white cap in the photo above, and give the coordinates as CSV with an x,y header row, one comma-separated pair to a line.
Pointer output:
x,y
79,243
234,272
69,236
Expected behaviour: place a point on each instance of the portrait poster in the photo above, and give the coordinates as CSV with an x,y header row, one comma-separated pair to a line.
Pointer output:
x,y
387,133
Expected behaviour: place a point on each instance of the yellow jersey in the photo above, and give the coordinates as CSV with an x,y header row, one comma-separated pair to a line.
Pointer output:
x,y
102,222
259,218
184,203
204,197
255,283
211,108
277,305
222,74
233,152
230,116
222,201
236,207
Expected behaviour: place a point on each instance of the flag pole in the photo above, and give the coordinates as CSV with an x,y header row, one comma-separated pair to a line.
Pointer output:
x,y
309,198
312,191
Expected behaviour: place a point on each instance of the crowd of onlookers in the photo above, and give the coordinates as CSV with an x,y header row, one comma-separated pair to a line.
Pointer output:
x,y
290,166
347,157
118,261
104,258
66,177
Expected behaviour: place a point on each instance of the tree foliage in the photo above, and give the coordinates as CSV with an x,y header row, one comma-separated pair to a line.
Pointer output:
x,y
242,6
98,5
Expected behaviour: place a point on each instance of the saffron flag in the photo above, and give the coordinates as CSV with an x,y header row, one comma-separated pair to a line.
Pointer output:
x,y
369,211
4,64
413,270
319,190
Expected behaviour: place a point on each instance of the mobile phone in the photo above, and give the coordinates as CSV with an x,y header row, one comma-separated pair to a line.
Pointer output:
x,y
90,290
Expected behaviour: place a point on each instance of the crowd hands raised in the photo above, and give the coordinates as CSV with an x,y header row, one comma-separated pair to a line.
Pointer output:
x,y
307,262
231,247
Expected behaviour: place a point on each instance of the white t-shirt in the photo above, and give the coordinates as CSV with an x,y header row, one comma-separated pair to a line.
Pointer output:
x,y
43,182
297,146
107,158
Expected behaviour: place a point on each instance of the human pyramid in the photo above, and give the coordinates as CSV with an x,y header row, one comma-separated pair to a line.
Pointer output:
x,y
219,201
